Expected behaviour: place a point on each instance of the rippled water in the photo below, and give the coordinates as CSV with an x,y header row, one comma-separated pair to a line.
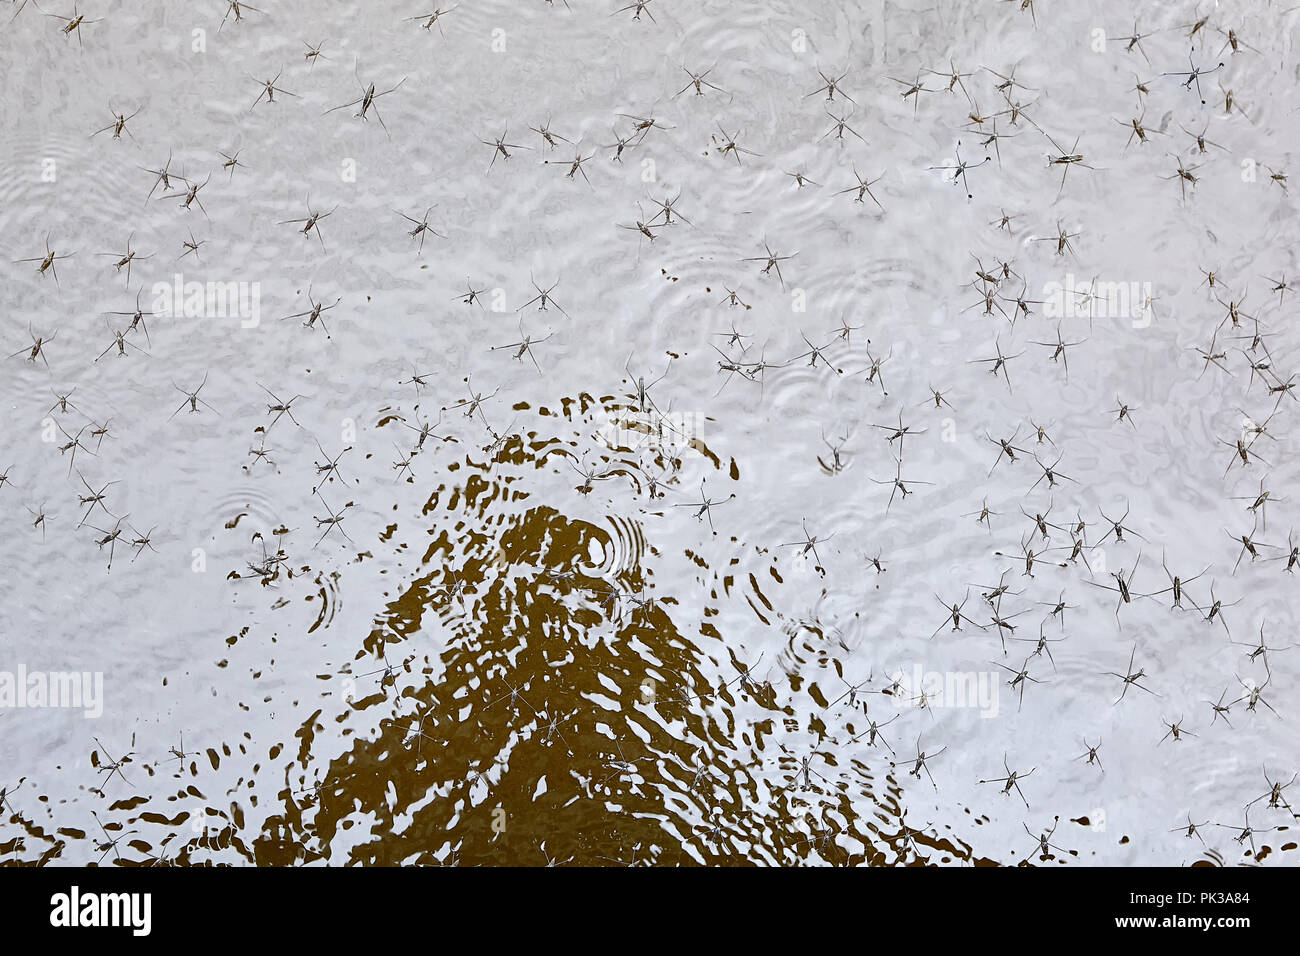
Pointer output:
x,y
527,642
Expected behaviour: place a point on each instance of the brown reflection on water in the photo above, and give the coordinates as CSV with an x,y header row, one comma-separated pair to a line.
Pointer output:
x,y
540,701
567,717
